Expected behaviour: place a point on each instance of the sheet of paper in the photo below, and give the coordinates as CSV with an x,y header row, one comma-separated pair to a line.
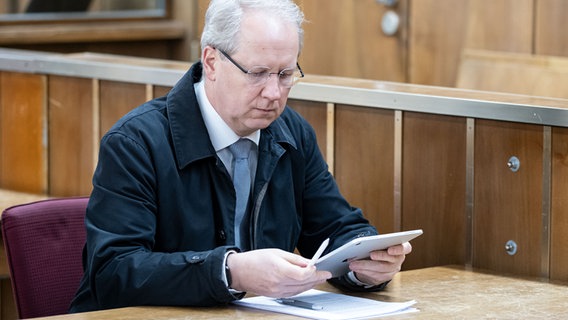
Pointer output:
x,y
335,306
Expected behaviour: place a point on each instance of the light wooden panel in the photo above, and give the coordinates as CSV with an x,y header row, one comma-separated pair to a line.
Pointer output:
x,y
344,38
508,205
23,158
364,162
316,114
436,37
434,189
117,99
550,27
504,25
559,205
534,75
70,136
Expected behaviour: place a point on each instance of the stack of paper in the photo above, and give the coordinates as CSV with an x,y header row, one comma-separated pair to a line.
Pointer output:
x,y
331,305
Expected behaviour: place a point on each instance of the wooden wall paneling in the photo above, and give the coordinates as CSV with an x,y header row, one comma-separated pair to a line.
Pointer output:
x,y
507,204
23,150
70,136
364,162
148,49
436,38
559,205
316,114
528,74
186,12
161,91
434,188
550,25
8,309
117,99
345,38
505,25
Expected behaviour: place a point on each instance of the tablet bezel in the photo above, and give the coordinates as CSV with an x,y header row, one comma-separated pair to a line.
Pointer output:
x,y
337,261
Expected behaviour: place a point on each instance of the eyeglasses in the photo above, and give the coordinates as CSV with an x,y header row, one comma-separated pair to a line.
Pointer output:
x,y
258,75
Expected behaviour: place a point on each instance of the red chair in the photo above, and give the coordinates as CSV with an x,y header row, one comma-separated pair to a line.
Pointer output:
x,y
44,242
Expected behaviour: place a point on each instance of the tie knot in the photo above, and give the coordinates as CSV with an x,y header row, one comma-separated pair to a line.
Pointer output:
x,y
241,148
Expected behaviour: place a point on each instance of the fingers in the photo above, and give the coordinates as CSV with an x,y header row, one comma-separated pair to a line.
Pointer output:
x,y
273,273
382,265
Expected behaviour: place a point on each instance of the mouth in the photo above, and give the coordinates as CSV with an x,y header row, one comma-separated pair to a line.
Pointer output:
x,y
266,109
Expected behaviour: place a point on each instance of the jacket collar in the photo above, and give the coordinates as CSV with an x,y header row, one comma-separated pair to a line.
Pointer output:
x,y
190,138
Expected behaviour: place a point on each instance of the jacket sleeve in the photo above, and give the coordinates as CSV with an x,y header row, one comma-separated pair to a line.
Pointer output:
x,y
122,267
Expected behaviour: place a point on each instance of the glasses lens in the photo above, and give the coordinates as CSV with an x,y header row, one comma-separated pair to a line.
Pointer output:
x,y
258,75
289,77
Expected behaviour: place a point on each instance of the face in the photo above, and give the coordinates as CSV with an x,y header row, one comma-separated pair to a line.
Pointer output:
x,y
263,41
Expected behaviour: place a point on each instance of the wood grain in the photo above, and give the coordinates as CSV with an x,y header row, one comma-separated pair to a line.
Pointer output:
x,y
117,99
23,151
433,188
559,205
70,136
364,162
508,205
315,113
533,75
550,26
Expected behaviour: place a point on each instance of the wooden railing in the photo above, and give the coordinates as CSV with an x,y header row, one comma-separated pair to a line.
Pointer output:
x,y
475,170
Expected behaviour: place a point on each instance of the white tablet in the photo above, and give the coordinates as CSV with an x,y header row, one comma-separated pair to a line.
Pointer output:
x,y
337,261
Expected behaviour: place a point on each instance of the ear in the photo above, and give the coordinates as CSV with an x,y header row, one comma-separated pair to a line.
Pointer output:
x,y
209,59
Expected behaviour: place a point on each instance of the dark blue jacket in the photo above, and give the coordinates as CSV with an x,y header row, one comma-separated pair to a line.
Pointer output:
x,y
159,219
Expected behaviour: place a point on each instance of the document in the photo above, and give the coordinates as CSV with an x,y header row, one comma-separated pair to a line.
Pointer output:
x,y
317,304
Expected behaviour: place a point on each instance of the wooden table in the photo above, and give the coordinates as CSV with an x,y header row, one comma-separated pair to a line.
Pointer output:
x,y
440,292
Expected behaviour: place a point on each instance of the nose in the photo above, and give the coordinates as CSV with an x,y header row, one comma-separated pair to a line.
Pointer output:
x,y
272,88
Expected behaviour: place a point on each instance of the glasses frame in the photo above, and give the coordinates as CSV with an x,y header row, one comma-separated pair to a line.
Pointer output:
x,y
248,72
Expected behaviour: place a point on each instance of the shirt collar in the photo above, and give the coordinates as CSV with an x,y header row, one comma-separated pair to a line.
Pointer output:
x,y
220,133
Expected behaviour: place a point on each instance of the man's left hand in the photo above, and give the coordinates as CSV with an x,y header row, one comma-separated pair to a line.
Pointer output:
x,y
382,265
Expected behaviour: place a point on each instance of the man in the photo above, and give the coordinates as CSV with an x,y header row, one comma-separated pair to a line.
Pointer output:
x,y
166,225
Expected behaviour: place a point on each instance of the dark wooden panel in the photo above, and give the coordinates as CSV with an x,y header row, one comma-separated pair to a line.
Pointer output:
x,y
507,204
71,136
316,114
145,49
559,205
117,99
23,158
8,310
433,188
364,162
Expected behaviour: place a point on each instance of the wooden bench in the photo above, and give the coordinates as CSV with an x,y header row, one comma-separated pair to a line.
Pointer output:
x,y
534,75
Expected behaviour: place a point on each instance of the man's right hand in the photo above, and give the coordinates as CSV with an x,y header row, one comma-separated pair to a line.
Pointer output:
x,y
273,273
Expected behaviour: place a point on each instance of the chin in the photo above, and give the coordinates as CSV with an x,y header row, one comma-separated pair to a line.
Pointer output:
x,y
261,124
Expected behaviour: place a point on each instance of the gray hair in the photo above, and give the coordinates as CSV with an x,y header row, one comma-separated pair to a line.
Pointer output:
x,y
223,20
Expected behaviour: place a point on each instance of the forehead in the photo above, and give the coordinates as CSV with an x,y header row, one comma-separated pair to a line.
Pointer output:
x,y
266,34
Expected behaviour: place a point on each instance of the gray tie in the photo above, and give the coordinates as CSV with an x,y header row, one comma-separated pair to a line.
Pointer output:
x,y
242,182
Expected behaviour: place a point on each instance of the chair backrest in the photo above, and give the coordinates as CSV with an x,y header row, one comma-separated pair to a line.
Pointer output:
x,y
44,242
